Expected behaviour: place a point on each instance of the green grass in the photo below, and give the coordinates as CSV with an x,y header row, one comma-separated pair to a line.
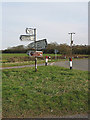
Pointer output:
x,y
11,64
20,59
13,54
7,56
20,63
10,55
48,92
29,62
51,55
9,59
24,54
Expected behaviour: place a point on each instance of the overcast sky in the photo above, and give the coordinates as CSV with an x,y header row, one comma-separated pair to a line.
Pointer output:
x,y
52,20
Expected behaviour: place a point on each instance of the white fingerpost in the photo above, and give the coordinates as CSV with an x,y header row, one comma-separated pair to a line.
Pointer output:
x,y
70,59
46,62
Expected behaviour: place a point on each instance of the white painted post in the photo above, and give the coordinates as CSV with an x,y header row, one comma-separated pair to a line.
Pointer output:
x,y
46,62
70,60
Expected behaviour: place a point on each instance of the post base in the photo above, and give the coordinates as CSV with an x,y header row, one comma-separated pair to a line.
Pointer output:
x,y
70,68
46,64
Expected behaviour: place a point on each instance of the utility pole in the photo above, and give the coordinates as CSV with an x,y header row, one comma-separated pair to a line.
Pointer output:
x,y
71,41
70,59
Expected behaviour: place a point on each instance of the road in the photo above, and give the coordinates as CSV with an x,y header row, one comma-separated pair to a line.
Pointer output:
x,y
79,64
21,66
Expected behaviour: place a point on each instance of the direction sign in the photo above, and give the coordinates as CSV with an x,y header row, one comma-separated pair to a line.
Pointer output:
x,y
26,37
29,31
38,54
35,53
40,44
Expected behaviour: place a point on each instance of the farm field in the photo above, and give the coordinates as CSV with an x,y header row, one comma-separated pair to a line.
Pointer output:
x,y
24,54
51,91
23,59
5,55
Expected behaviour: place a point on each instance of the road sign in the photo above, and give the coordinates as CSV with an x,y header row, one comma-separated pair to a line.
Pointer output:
x,y
27,37
35,53
29,31
40,44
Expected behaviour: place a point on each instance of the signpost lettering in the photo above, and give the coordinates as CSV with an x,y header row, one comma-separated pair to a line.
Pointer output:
x,y
40,44
29,31
35,53
26,37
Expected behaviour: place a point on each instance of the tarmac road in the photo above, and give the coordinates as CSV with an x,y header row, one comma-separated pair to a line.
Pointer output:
x,y
79,64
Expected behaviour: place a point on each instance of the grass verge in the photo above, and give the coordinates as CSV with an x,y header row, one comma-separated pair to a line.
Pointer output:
x,y
11,64
51,91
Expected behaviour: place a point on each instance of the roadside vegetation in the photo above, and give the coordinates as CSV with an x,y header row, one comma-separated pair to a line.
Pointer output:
x,y
50,49
51,91
16,56
20,59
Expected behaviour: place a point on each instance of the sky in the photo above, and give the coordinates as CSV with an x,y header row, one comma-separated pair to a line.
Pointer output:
x,y
52,20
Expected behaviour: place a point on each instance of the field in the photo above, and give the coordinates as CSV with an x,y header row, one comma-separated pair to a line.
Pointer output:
x,y
6,56
24,54
22,59
51,91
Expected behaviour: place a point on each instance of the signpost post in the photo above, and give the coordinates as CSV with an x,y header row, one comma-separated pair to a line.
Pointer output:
x,y
31,36
35,50
36,44
55,51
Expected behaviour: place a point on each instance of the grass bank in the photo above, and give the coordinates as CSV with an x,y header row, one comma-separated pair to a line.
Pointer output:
x,y
51,91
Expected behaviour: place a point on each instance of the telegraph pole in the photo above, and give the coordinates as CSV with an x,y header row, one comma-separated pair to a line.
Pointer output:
x,y
70,59
71,41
